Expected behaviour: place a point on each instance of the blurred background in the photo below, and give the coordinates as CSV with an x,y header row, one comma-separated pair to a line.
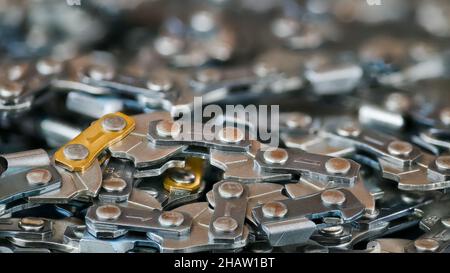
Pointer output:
x,y
381,36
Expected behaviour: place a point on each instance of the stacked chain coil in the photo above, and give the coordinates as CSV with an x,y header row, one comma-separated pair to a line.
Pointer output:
x,y
96,154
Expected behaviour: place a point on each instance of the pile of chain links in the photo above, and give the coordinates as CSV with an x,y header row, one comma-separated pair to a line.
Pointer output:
x,y
88,160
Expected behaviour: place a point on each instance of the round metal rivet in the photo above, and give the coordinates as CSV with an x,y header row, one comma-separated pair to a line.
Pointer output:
x,y
114,184
334,226
76,152
108,212
231,135
231,190
298,120
337,165
443,162
159,83
182,176
400,148
276,156
445,116
203,21
263,69
397,102
350,129
274,209
333,230
225,224
101,72
15,72
114,123
371,214
209,75
39,176
426,245
31,223
168,45
10,89
332,197
166,128
171,219
284,27
48,67
220,50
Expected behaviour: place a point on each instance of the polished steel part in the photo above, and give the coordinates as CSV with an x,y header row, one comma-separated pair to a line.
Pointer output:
x,y
243,166
296,225
31,158
111,221
221,140
304,188
197,239
117,182
400,161
136,146
27,184
258,193
230,206
50,234
311,166
73,185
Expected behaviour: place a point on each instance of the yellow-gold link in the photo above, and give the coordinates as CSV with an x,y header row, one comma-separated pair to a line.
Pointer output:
x,y
79,154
